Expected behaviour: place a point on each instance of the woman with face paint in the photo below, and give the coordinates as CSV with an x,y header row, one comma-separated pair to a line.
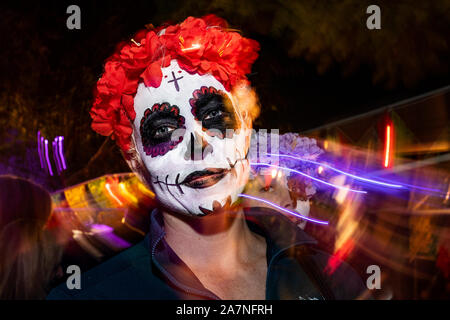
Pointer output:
x,y
177,101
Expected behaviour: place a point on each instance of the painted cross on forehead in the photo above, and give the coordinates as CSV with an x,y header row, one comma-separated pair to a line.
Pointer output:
x,y
175,81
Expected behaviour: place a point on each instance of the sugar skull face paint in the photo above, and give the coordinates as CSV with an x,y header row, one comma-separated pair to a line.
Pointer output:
x,y
192,141
214,110
157,125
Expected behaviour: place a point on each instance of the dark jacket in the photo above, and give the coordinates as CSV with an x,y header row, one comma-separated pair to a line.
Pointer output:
x,y
152,270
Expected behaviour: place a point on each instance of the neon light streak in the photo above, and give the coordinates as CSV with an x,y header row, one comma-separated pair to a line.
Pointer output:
x,y
57,155
282,209
391,185
308,176
388,146
41,160
49,165
43,151
108,188
340,171
61,153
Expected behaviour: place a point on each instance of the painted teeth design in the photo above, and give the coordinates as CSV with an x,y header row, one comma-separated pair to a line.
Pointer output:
x,y
216,206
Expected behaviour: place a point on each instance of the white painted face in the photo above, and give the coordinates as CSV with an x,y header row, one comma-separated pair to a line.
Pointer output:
x,y
195,165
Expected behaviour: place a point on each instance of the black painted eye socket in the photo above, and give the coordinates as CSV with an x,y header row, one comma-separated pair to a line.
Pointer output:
x,y
161,134
157,127
214,109
214,114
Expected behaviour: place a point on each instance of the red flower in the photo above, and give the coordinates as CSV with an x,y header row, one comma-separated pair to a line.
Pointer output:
x,y
200,45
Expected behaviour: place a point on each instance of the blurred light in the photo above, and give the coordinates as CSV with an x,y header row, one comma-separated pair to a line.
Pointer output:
x,y
339,195
127,194
320,169
435,147
339,256
274,173
108,188
308,176
43,149
387,152
99,228
325,144
342,172
282,209
61,153
280,174
447,195
145,191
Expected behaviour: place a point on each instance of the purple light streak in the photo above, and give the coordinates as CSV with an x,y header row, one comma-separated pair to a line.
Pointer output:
x,y
61,153
386,184
58,153
43,150
49,165
340,171
282,209
308,176
424,188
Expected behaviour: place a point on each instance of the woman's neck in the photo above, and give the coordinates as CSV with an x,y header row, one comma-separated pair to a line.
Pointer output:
x,y
219,240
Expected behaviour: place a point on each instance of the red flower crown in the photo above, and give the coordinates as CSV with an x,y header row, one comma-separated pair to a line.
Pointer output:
x,y
200,45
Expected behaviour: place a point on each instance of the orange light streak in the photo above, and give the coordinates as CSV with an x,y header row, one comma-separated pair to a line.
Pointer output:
x,y
127,194
108,188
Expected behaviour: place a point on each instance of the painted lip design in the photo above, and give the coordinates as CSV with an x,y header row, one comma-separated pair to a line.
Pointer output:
x,y
205,178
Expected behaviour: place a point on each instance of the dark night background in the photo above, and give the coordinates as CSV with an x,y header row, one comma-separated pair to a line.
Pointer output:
x,y
318,63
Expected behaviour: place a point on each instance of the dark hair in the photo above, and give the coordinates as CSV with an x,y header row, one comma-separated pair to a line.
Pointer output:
x,y
28,253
